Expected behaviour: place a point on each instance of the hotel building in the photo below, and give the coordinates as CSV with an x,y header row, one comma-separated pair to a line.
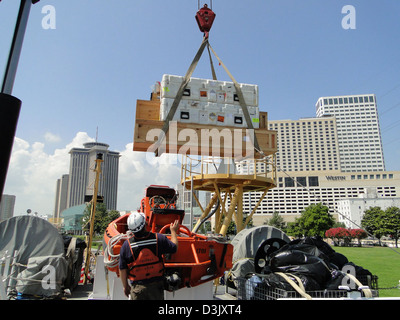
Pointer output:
x,y
335,156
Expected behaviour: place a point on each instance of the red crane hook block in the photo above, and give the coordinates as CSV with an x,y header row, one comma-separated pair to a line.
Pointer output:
x,y
205,18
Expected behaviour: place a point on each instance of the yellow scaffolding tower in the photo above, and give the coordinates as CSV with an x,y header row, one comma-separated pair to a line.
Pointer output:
x,y
228,179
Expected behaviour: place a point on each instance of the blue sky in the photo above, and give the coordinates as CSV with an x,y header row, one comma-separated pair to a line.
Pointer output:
x,y
103,55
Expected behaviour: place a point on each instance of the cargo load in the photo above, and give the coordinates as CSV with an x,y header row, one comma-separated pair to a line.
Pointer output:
x,y
206,101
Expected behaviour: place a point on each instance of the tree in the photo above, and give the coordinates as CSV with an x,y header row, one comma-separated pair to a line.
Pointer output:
x,y
101,220
295,229
382,223
338,224
372,222
392,223
314,221
358,234
276,221
339,234
232,229
347,235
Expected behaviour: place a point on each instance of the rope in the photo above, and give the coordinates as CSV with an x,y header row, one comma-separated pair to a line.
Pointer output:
x,y
111,260
299,288
367,291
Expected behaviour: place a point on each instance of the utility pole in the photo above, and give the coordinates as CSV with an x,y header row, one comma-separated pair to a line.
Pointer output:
x,y
99,160
10,106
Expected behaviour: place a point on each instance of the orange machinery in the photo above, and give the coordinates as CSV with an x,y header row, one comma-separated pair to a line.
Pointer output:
x,y
199,258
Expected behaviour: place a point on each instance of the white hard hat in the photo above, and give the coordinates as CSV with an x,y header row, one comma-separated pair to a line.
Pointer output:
x,y
136,221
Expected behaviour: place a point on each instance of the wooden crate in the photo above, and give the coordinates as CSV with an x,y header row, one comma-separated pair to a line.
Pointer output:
x,y
148,109
189,138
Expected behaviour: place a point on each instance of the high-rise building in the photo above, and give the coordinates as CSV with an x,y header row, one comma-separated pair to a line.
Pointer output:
x,y
61,195
335,156
7,206
82,174
309,144
359,137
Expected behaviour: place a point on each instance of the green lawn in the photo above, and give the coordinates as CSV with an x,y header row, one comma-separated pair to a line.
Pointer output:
x,y
380,261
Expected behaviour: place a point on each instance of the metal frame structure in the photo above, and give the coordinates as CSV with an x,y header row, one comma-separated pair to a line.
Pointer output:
x,y
220,176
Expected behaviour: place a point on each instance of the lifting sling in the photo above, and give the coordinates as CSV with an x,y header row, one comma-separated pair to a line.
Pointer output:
x,y
185,82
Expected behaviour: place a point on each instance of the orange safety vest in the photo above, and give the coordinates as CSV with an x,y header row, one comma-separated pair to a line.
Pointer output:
x,y
146,263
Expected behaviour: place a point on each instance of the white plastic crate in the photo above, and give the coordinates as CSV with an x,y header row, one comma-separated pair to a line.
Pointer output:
x,y
208,90
227,115
235,117
187,111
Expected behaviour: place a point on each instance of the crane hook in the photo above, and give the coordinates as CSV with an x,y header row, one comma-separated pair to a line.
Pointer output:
x,y
205,18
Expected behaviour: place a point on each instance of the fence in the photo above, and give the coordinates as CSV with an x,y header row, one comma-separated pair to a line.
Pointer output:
x,y
255,289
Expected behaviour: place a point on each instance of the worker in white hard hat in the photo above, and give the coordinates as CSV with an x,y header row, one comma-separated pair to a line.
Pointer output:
x,y
141,260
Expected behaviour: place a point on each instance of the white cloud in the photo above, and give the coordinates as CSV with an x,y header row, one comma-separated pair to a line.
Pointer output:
x,y
33,173
50,137
137,170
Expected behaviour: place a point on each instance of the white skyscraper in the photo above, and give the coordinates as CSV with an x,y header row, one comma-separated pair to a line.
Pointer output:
x,y
359,137
61,195
308,144
82,175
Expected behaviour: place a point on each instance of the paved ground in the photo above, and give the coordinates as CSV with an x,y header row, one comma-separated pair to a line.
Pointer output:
x,y
82,292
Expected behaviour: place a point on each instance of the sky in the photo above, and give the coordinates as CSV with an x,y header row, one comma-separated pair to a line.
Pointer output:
x,y
80,77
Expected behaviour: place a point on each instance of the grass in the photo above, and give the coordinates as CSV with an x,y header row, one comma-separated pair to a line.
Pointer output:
x,y
380,261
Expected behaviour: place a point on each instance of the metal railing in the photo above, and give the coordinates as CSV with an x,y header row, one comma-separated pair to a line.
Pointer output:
x,y
205,165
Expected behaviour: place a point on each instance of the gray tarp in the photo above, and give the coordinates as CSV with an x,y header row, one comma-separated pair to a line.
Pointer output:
x,y
43,276
41,267
245,246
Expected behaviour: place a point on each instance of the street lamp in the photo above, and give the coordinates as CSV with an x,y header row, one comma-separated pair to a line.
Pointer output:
x,y
10,106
